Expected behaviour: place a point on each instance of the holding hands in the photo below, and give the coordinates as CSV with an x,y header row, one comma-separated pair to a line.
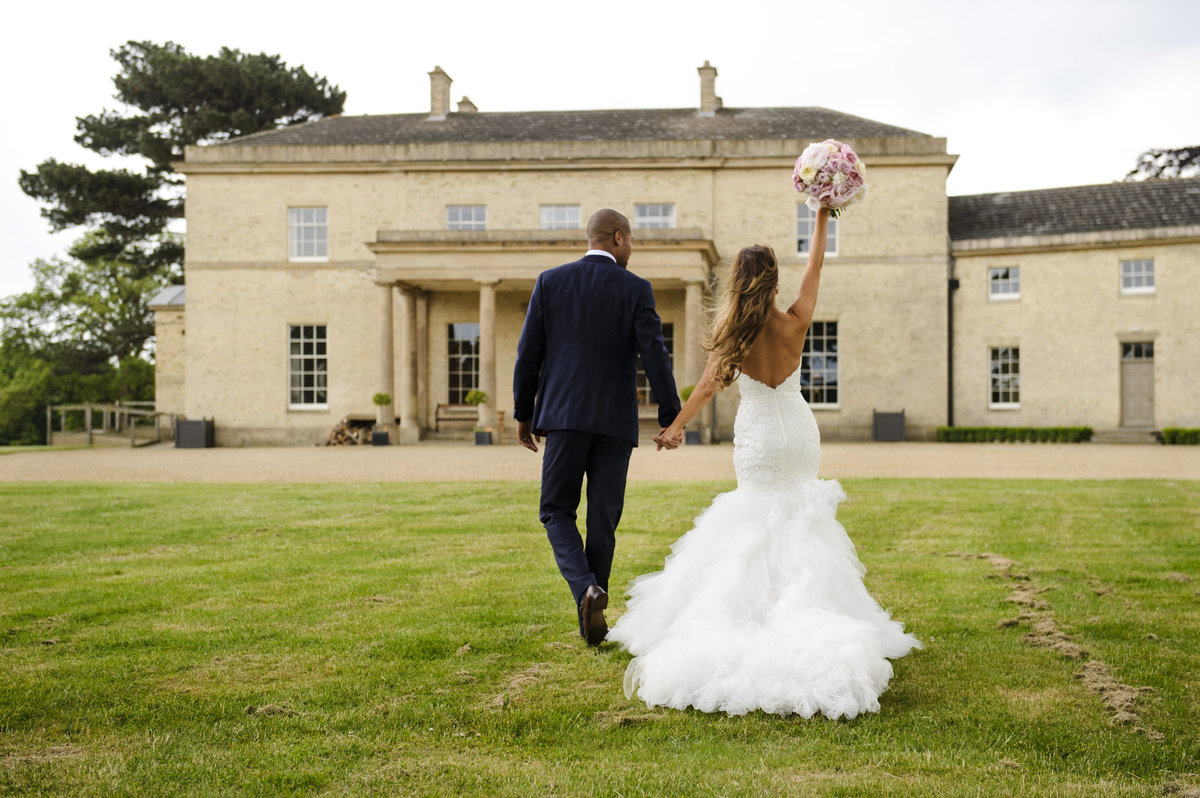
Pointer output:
x,y
668,438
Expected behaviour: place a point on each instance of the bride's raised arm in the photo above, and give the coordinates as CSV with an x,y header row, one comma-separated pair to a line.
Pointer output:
x,y
806,303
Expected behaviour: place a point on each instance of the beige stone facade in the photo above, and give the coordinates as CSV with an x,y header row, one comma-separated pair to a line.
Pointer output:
x,y
393,277
169,350
1071,321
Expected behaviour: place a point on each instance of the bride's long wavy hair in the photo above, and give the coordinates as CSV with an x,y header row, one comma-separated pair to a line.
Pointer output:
x,y
743,310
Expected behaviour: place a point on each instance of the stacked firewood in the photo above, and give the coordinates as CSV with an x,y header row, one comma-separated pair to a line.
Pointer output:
x,y
342,435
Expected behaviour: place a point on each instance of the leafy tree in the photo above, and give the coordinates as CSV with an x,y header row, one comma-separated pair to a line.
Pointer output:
x,y
172,99
82,334
28,384
1178,162
24,387
82,314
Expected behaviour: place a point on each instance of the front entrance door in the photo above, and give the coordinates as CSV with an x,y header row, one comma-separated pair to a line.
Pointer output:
x,y
1137,384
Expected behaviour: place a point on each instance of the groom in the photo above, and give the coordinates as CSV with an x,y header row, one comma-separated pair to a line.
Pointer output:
x,y
586,325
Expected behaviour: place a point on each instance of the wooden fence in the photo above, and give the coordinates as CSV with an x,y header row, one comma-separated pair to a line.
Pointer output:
x,y
132,423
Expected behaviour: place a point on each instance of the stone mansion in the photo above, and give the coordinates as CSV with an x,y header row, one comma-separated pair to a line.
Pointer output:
x,y
335,260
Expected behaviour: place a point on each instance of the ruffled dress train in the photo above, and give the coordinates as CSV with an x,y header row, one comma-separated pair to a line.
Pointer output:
x,y
762,604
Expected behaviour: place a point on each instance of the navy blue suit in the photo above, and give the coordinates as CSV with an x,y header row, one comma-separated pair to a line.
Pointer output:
x,y
576,380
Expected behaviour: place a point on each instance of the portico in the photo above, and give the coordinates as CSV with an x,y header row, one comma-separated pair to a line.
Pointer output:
x,y
415,270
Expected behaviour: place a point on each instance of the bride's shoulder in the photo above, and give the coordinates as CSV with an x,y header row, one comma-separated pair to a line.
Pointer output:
x,y
787,325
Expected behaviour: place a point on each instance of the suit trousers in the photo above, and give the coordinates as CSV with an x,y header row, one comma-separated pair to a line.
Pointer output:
x,y
569,456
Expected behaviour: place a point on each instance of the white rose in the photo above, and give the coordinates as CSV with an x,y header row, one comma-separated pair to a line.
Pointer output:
x,y
839,178
815,155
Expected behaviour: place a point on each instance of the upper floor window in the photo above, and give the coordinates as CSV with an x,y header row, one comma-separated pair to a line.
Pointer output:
x,y
559,217
1004,283
1005,367
654,215
819,364
466,217
308,367
806,221
308,234
1137,277
644,393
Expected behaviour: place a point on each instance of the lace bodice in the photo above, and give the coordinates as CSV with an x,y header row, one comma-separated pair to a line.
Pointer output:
x,y
776,443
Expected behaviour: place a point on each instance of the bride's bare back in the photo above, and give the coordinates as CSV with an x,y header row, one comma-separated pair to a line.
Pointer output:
x,y
776,354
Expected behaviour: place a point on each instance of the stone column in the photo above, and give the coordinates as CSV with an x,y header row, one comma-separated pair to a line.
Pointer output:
x,y
423,360
487,353
385,415
693,354
410,431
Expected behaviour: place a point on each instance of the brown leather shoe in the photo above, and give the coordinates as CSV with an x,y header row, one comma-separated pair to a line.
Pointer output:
x,y
592,608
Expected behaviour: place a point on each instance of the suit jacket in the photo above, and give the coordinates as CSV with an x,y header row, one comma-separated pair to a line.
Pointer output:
x,y
577,357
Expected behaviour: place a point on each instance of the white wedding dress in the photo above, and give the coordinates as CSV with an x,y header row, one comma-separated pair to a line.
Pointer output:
x,y
762,604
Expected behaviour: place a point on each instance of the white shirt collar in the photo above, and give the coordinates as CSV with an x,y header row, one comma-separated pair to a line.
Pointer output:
x,y
600,252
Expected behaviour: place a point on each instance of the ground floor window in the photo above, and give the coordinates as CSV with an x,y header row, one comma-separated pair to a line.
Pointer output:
x,y
819,364
644,394
308,366
1005,368
462,348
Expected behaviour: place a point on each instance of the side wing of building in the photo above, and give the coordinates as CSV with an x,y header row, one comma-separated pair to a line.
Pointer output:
x,y
1078,306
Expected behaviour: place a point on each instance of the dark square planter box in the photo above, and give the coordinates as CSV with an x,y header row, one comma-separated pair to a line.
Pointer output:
x,y
379,437
889,426
483,438
196,434
692,437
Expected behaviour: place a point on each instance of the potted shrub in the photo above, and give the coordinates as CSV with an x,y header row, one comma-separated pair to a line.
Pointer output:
x,y
690,436
379,435
483,436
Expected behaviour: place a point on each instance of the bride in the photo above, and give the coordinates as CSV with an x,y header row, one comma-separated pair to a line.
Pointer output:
x,y
762,605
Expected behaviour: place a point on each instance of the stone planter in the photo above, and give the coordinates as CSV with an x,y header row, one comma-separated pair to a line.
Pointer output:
x,y
692,437
483,438
380,437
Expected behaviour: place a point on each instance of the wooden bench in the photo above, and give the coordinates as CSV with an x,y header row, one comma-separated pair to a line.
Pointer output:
x,y
469,413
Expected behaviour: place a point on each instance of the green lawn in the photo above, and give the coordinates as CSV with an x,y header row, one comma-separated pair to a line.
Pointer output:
x,y
417,640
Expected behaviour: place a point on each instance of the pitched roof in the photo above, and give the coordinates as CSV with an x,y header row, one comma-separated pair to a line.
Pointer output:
x,y
669,124
1078,209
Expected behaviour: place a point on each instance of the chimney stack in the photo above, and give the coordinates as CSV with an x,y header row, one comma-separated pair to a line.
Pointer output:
x,y
465,106
439,94
709,101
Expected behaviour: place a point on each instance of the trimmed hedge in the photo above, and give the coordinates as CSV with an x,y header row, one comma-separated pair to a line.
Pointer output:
x,y
1180,435
1014,434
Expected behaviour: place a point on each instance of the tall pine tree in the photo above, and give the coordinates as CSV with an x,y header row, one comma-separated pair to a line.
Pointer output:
x,y
171,99
1177,162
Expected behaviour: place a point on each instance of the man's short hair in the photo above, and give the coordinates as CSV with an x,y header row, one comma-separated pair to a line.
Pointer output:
x,y
604,223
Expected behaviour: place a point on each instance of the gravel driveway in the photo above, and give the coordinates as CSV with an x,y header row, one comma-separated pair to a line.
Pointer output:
x,y
455,461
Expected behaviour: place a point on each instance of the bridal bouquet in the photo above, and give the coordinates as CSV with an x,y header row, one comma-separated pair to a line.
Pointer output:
x,y
830,174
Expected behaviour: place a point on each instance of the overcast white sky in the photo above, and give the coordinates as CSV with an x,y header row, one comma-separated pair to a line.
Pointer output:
x,y
1029,94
